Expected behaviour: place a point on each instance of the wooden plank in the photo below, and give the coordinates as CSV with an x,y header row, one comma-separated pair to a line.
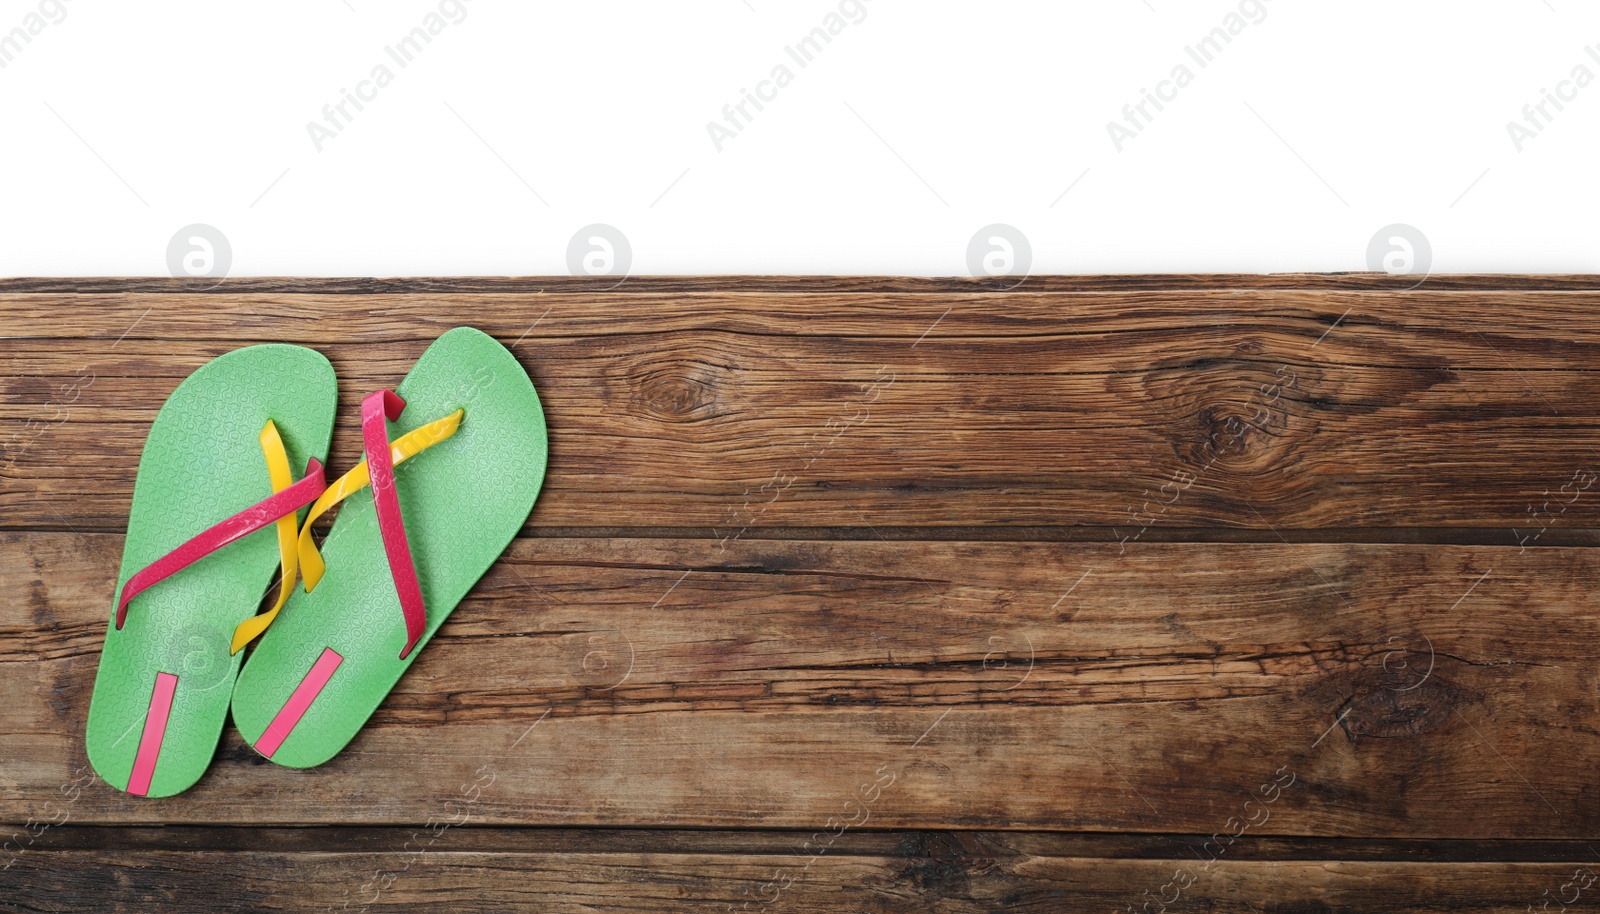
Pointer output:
x,y
924,872
680,677
473,838
1391,691
1331,405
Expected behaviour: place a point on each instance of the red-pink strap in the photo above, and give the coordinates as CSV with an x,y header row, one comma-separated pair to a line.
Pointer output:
x,y
381,405
155,732
246,522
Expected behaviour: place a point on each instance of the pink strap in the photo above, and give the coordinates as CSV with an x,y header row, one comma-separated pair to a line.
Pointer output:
x,y
295,708
381,405
155,730
246,522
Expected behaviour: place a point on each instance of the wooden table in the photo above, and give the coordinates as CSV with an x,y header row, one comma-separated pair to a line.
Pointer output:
x,y
858,594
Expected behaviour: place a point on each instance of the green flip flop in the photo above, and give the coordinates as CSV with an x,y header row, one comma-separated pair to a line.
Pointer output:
x,y
342,643
166,673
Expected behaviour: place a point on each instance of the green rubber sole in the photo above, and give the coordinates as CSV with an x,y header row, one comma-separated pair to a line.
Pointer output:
x,y
463,501
202,462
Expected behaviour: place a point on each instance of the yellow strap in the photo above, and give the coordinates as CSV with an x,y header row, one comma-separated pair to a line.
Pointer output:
x,y
407,445
282,478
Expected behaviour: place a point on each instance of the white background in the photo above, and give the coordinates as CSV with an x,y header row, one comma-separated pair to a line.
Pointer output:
x,y
913,128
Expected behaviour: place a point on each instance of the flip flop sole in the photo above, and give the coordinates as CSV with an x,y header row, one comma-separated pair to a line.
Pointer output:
x,y
162,688
333,654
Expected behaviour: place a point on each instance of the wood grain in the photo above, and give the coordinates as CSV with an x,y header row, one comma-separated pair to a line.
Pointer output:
x,y
909,594
882,873
1409,691
1300,407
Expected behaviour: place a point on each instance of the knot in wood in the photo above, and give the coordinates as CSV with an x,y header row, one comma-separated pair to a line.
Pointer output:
x,y
1227,415
675,391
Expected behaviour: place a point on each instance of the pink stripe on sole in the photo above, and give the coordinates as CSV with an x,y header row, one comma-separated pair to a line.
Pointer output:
x,y
155,729
304,694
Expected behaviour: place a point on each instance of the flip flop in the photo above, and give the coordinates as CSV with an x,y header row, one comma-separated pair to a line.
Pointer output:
x,y
166,673
343,642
